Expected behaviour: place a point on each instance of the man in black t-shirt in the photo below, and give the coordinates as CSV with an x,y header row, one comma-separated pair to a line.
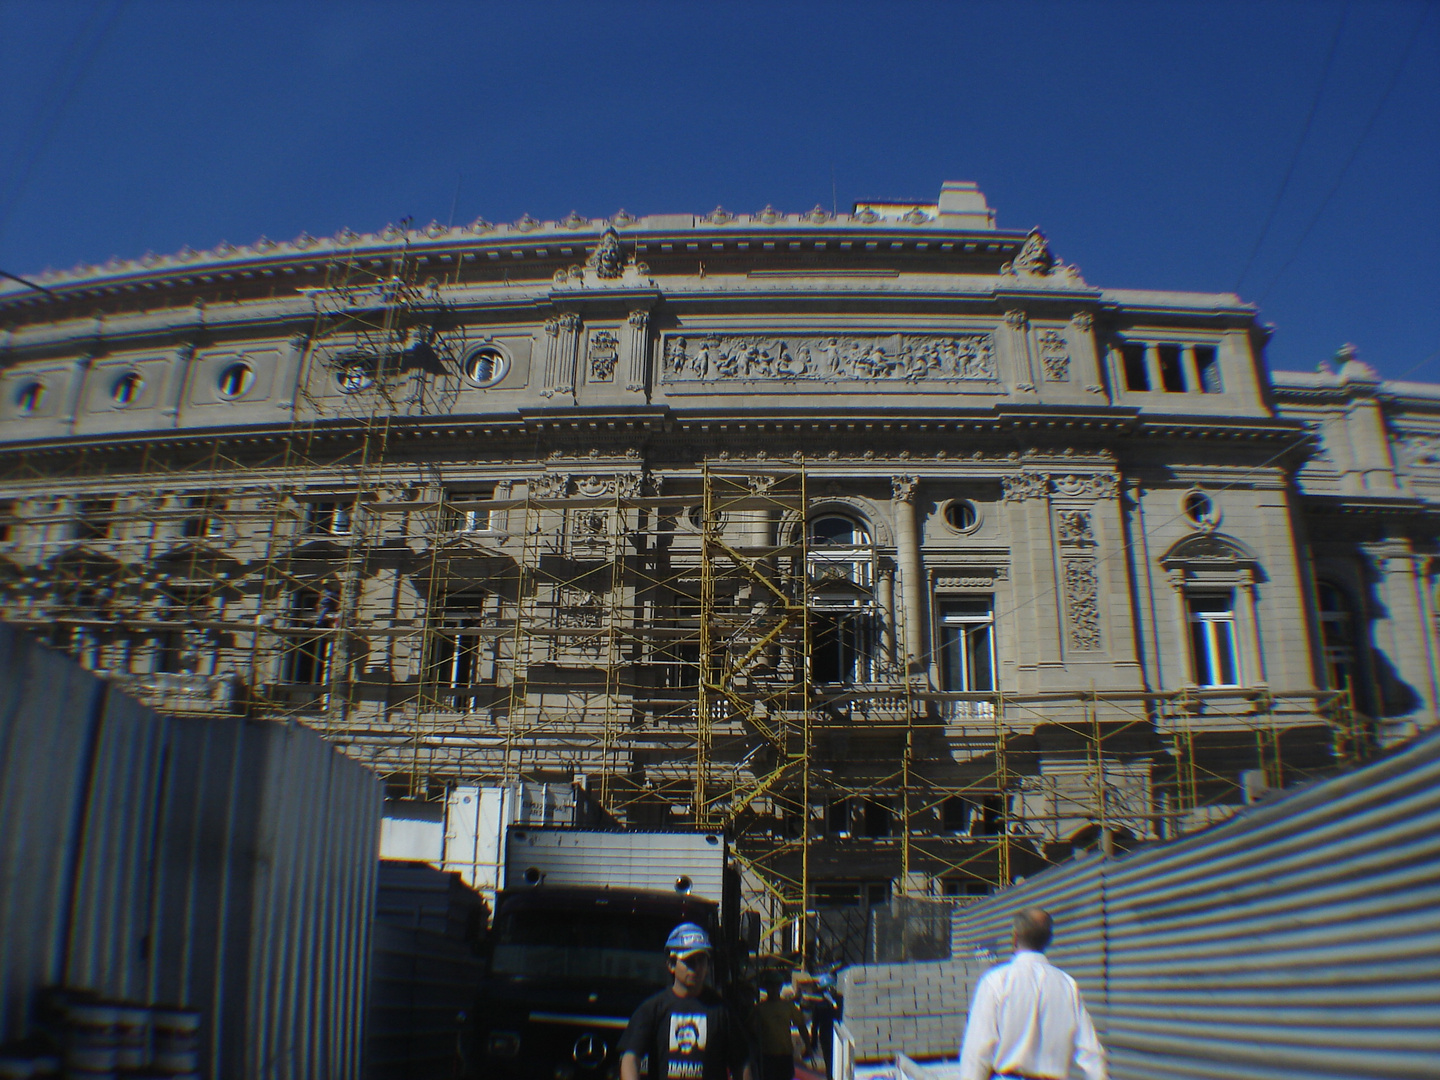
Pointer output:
x,y
686,1032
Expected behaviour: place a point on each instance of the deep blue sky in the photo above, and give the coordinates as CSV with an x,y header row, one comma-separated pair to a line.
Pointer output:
x,y
1148,139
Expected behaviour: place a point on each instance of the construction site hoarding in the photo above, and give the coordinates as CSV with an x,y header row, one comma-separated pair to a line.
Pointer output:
x,y
1300,939
217,865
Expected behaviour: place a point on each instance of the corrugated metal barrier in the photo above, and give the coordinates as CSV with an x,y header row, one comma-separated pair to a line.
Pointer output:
x,y
217,864
1299,939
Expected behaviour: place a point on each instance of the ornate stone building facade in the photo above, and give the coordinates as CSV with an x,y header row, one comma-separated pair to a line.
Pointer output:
x,y
883,540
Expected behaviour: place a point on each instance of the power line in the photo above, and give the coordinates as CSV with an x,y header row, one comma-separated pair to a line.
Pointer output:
x,y
1395,73
1299,144
78,69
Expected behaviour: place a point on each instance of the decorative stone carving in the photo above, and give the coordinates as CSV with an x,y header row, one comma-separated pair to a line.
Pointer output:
x,y
833,358
978,579
902,488
867,216
1016,320
761,485
769,215
1082,321
1054,356
1021,486
817,215
579,607
622,218
1082,603
639,323
915,216
719,216
604,354
607,260
550,486
1034,259
1087,485
1073,527
1419,450
526,224
573,220
624,485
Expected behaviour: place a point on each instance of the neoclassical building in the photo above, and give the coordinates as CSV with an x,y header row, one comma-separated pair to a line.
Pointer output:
x,y
883,540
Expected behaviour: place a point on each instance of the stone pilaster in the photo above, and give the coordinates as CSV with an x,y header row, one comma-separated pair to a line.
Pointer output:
x,y
907,544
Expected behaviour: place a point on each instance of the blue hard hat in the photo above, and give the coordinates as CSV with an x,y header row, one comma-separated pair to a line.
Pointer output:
x,y
687,938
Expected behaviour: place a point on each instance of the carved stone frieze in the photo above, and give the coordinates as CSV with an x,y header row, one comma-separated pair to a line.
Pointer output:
x,y
832,358
1054,356
1021,486
550,486
975,579
1082,603
1087,485
1419,450
604,354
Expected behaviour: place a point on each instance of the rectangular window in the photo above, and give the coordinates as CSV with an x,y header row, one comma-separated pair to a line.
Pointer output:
x,y
95,519
456,654
328,518
967,645
842,645
463,515
879,819
205,521
1212,638
1207,364
837,818
1172,372
954,814
1137,374
307,655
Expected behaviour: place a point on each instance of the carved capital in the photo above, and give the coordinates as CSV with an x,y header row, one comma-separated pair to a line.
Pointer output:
x,y
902,488
1016,320
1083,321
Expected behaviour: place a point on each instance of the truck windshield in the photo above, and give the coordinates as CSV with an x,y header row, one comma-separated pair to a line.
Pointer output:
x,y
540,944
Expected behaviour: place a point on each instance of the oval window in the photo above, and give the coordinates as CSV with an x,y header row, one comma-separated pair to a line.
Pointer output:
x,y
485,367
1199,508
961,515
236,380
29,397
353,376
126,390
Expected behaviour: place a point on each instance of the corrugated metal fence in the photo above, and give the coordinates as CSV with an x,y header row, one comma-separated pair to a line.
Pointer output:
x,y
1300,939
222,865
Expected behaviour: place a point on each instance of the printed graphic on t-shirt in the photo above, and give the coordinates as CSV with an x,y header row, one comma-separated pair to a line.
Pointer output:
x,y
689,1033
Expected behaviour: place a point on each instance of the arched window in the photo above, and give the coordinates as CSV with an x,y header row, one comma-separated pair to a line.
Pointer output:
x,y
837,530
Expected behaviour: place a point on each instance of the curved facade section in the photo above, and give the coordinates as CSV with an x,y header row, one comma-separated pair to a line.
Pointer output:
x,y
524,503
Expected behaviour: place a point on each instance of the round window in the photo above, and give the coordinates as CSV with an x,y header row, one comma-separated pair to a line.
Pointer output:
x,y
354,375
485,366
29,397
1199,508
961,515
236,380
126,390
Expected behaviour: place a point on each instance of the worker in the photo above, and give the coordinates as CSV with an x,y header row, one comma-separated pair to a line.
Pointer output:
x,y
1027,1021
685,1031
774,1016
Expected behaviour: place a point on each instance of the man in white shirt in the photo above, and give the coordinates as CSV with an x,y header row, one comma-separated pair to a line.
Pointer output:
x,y
1027,1021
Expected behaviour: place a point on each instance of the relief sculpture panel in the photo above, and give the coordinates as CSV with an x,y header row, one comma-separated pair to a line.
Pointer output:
x,y
967,357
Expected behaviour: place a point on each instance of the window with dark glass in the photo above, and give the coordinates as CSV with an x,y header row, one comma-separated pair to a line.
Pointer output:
x,y
1137,372
456,653
1339,640
307,655
328,518
1212,638
463,512
967,645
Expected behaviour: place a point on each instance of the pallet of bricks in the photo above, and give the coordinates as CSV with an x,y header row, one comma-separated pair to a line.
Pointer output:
x,y
914,1009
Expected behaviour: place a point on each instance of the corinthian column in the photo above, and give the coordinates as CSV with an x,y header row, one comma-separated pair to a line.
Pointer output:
x,y
907,543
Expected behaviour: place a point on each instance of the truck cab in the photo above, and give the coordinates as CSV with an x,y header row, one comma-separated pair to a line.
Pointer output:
x,y
566,967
